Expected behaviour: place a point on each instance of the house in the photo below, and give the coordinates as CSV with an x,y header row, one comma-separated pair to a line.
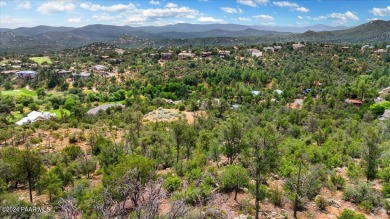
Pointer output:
x,y
9,73
106,74
387,47
379,51
103,107
105,57
26,74
355,102
385,116
385,91
268,49
205,54
255,52
297,46
35,116
297,104
223,54
378,100
278,91
119,51
366,47
17,62
185,55
63,73
167,55
277,48
82,75
99,67
255,92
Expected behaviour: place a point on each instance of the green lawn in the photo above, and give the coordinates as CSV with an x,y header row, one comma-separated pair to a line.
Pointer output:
x,y
40,60
19,92
58,113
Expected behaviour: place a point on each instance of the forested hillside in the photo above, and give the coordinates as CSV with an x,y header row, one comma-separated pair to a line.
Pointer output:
x,y
198,132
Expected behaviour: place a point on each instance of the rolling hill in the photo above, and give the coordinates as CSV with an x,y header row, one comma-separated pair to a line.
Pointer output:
x,y
45,38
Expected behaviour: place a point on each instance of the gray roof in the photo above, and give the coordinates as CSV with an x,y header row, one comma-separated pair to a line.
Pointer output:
x,y
104,107
26,72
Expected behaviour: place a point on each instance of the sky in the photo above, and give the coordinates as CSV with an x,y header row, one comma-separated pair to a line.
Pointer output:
x,y
77,13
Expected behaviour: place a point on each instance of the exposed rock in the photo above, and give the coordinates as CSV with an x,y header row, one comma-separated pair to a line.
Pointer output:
x,y
334,203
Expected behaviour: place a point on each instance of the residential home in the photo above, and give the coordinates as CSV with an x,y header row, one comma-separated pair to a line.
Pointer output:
x,y
379,100
35,116
26,74
103,107
277,48
379,51
385,91
223,54
255,52
297,104
186,55
16,62
268,49
9,73
63,73
82,75
366,47
119,51
355,102
99,67
385,116
167,55
105,57
297,46
205,54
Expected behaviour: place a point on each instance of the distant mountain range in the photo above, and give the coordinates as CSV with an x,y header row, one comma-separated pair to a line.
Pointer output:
x,y
46,38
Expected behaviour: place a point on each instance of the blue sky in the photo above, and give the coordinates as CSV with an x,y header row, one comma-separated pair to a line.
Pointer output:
x,y
75,13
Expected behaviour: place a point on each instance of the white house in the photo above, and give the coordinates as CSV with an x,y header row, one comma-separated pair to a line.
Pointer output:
x,y
26,74
35,116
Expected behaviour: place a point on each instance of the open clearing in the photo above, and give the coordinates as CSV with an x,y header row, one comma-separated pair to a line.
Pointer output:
x,y
42,59
19,92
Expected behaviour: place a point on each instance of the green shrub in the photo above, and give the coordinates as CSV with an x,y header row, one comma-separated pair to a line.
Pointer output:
x,y
172,183
349,214
72,138
366,206
321,202
385,174
338,181
386,190
276,196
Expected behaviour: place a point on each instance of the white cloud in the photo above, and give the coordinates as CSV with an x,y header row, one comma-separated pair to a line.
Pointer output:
x,y
112,8
152,2
300,17
131,15
243,19
231,10
301,9
23,5
286,4
264,17
339,18
2,4
210,20
291,5
106,18
74,20
252,3
171,5
12,22
55,7
381,11
372,19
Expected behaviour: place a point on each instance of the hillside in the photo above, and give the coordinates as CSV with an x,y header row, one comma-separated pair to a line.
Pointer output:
x,y
44,38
